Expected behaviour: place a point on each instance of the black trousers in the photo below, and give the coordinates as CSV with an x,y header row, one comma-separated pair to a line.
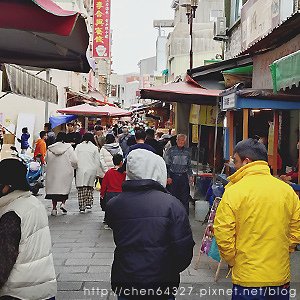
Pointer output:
x,y
180,188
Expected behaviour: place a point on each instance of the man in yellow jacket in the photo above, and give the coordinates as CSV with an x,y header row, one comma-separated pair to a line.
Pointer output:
x,y
257,225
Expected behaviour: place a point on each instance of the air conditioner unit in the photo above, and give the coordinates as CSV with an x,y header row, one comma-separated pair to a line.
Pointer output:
x,y
220,29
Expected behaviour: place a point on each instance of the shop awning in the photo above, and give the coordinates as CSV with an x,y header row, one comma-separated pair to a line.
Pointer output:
x,y
181,92
214,71
90,110
39,33
286,72
20,82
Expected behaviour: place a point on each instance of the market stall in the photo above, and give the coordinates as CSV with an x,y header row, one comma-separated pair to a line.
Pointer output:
x,y
248,109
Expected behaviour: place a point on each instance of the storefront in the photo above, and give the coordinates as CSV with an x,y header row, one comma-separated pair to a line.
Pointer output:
x,y
259,114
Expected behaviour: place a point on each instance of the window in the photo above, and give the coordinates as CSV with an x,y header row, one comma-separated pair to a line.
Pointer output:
x,y
236,8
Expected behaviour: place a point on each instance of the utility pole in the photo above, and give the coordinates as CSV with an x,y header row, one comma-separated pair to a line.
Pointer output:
x,y
47,103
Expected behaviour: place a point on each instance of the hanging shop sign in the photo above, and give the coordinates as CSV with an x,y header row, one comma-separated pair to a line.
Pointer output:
x,y
101,29
229,101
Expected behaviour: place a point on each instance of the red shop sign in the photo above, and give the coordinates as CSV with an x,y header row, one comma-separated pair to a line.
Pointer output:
x,y
101,29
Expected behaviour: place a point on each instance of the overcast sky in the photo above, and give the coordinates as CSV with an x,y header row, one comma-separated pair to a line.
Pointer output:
x,y
133,34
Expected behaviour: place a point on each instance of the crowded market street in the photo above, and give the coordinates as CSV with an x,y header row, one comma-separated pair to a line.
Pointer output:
x,y
83,254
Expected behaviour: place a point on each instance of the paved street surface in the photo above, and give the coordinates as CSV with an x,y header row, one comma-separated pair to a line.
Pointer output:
x,y
83,254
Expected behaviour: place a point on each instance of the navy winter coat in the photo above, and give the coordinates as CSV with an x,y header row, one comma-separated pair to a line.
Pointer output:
x,y
153,237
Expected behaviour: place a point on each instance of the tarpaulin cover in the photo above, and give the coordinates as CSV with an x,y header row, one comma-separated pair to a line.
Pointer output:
x,y
59,120
285,71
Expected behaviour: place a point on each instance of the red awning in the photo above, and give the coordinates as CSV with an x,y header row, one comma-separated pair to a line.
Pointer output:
x,y
181,92
39,33
90,110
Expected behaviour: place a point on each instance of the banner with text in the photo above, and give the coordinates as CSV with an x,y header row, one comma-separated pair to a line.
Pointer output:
x,y
101,29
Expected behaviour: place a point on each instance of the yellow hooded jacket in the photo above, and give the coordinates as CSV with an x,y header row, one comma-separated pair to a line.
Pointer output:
x,y
257,224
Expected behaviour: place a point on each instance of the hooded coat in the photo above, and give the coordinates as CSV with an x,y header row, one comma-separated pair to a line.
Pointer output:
x,y
151,229
61,161
106,157
33,275
88,164
257,224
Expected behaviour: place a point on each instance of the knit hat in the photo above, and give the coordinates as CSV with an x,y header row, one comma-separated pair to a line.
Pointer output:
x,y
144,164
13,172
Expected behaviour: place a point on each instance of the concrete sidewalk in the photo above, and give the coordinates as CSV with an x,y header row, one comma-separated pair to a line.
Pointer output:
x,y
83,254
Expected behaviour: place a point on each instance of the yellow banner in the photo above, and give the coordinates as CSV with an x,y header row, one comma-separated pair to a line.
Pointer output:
x,y
203,115
194,114
195,134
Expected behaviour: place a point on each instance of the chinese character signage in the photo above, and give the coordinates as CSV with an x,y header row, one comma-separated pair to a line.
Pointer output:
x,y
101,30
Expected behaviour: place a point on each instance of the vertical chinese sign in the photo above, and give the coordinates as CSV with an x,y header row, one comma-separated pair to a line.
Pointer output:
x,y
101,29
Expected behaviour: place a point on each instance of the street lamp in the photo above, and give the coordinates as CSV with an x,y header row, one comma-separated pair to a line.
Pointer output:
x,y
191,7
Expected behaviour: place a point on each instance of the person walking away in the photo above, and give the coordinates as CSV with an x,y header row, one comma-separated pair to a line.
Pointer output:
x,y
107,152
73,137
151,229
112,182
150,140
41,147
140,137
99,136
61,162
257,225
123,140
24,140
51,138
27,269
86,172
180,174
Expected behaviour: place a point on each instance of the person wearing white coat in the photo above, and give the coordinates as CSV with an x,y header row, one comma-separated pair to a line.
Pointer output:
x,y
88,166
27,268
61,162
109,149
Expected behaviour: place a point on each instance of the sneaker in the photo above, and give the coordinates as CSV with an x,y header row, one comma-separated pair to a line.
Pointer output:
x,y
107,227
54,212
88,207
63,209
82,211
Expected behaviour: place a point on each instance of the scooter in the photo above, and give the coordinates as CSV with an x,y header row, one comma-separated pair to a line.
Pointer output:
x,y
34,176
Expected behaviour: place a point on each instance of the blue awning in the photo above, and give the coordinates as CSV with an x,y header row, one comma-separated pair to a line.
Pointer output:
x,y
255,103
258,99
59,120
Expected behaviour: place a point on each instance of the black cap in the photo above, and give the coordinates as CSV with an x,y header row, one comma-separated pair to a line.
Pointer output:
x,y
13,172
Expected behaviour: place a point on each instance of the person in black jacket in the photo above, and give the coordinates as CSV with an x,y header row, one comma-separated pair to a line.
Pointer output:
x,y
152,233
150,140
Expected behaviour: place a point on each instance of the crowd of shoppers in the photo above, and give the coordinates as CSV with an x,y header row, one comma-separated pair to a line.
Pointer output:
x,y
145,190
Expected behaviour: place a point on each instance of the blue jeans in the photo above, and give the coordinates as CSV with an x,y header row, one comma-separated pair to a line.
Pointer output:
x,y
261,293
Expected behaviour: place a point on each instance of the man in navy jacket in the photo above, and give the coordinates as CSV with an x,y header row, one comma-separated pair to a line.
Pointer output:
x,y
152,233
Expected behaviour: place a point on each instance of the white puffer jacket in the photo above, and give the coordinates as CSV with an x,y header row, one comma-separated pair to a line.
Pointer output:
x,y
61,161
88,164
106,157
33,276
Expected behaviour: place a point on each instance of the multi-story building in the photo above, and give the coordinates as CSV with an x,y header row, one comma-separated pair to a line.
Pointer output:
x,y
204,47
124,89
